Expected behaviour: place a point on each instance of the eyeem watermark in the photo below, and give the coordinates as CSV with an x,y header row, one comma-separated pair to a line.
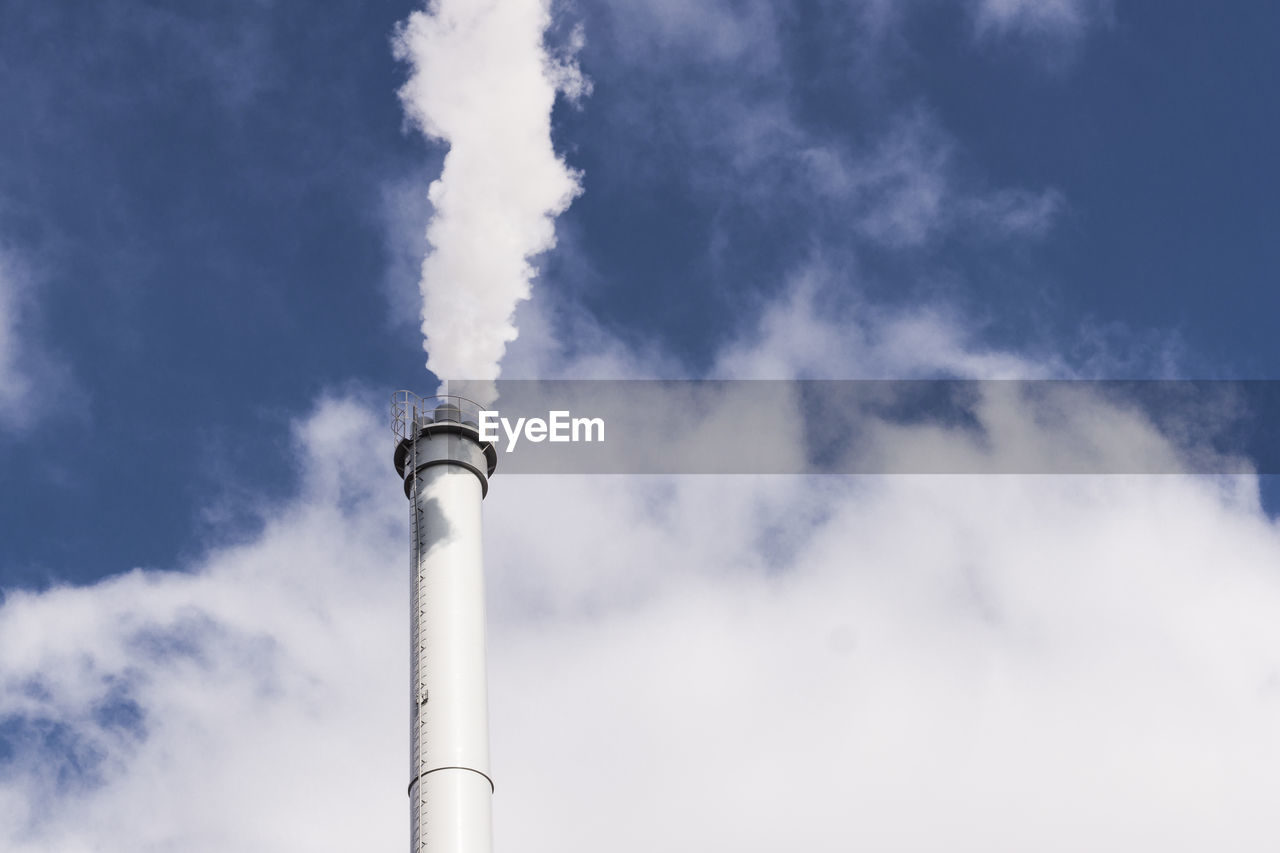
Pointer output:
x,y
558,426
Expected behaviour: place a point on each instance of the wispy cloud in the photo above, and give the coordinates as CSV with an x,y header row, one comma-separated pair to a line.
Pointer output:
x,y
743,34
1058,18
14,385
907,190
32,380
895,178
818,329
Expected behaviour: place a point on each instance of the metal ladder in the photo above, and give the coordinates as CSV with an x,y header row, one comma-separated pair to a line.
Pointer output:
x,y
420,635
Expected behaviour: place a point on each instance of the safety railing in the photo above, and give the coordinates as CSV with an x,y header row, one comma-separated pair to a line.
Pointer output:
x,y
410,413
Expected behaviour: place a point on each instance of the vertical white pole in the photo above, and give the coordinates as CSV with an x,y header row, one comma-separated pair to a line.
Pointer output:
x,y
453,712
450,787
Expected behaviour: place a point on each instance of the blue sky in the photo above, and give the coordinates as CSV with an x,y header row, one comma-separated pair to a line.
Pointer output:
x,y
197,204
211,230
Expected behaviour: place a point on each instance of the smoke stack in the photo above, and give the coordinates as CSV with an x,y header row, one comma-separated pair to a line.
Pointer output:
x,y
446,469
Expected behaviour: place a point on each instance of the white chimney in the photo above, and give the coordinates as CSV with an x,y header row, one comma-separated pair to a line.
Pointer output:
x,y
446,470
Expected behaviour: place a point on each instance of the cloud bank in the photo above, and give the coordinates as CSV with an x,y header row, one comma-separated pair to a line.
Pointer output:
x,y
231,705
909,663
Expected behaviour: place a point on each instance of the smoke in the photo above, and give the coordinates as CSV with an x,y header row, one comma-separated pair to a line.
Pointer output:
x,y
484,82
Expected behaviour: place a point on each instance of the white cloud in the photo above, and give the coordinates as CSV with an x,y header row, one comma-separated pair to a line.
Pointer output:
x,y
1062,18
906,191
1012,213
262,684
976,663
561,340
743,33
896,179
815,331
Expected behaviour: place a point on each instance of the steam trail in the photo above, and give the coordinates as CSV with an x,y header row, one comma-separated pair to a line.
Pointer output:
x,y
483,82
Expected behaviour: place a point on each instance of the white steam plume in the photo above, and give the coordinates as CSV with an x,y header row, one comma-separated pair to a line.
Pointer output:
x,y
483,81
